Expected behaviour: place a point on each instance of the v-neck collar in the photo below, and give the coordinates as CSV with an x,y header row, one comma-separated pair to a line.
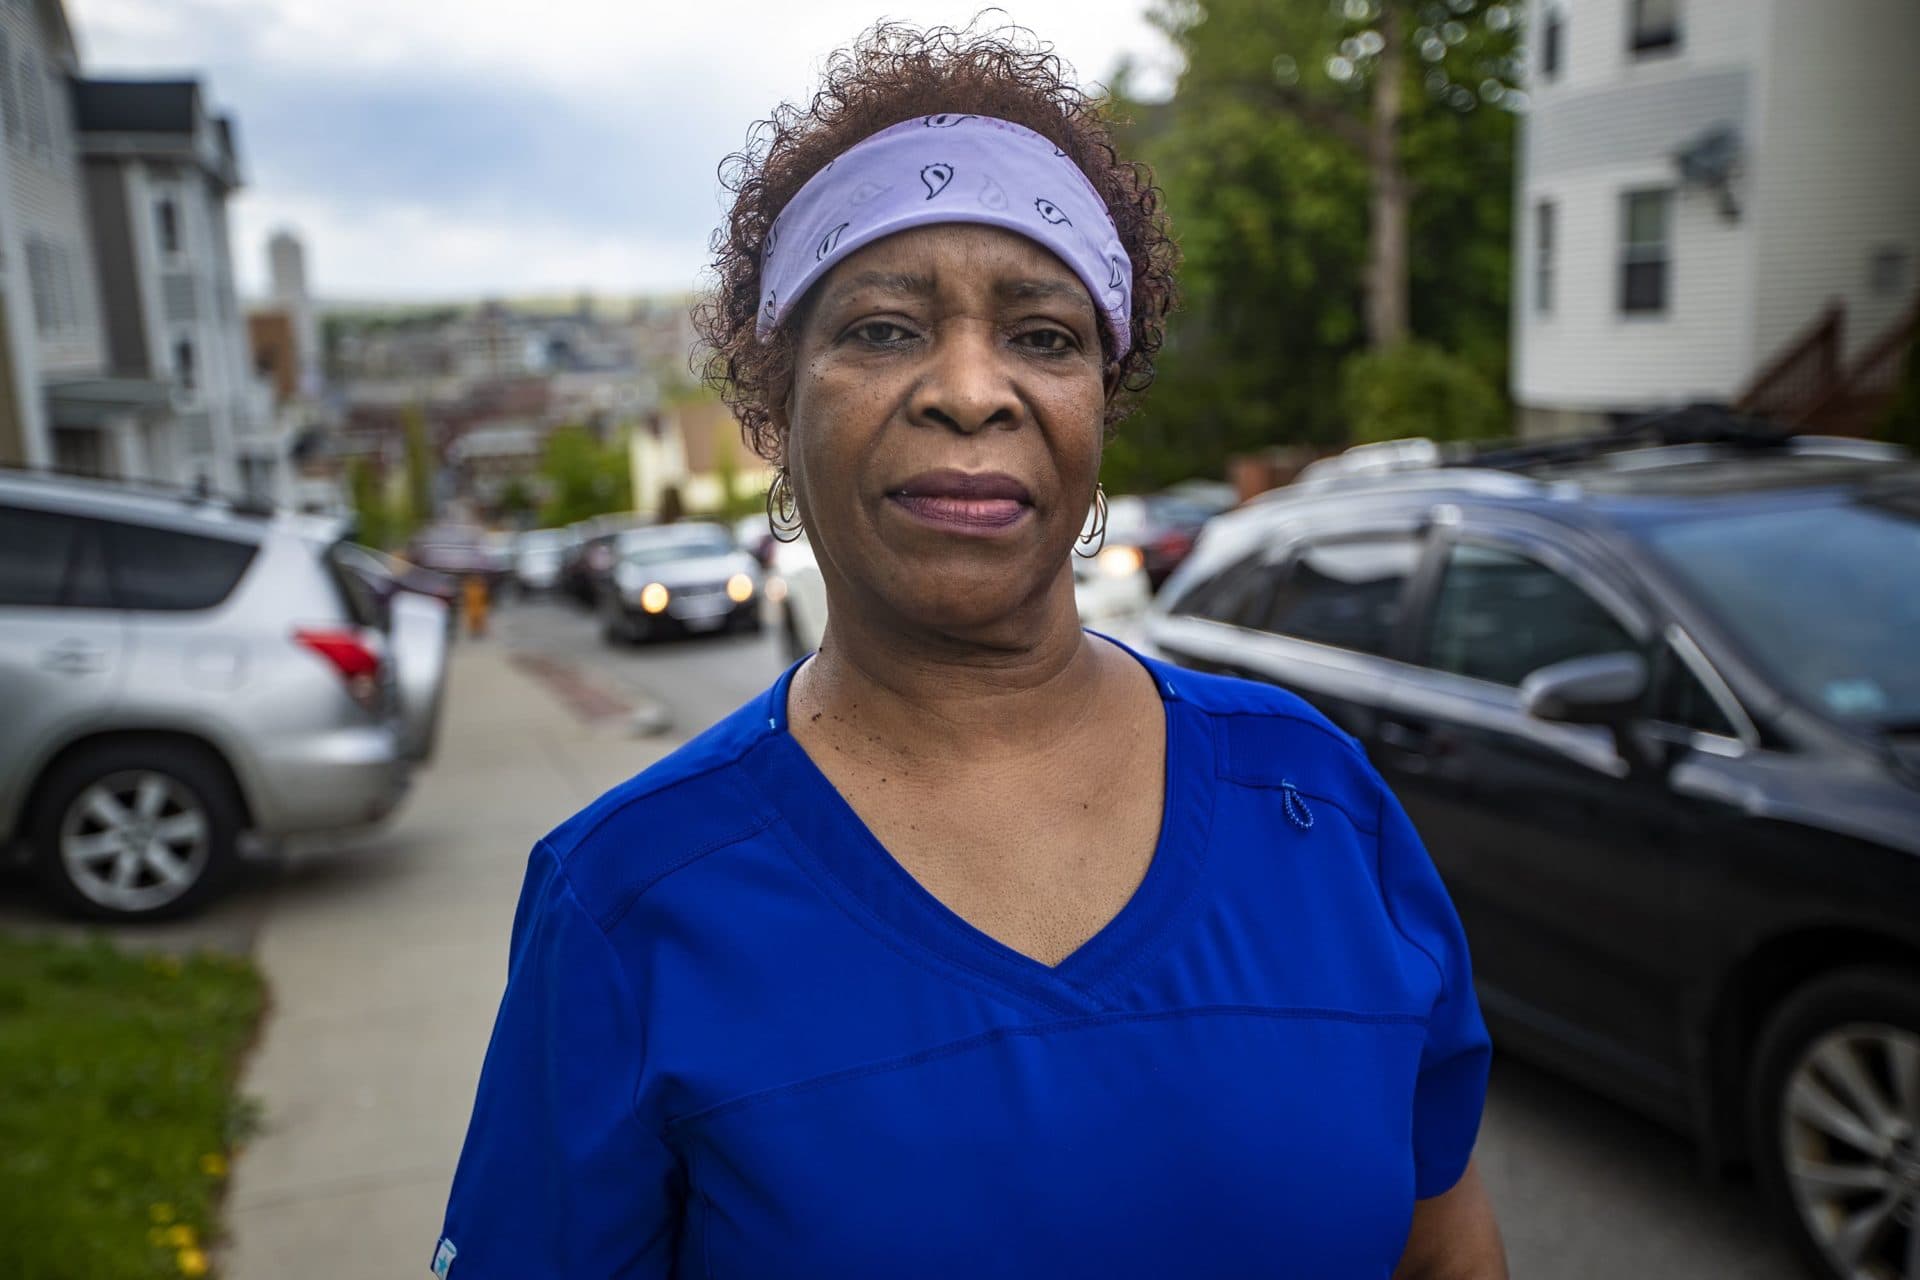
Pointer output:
x,y
829,832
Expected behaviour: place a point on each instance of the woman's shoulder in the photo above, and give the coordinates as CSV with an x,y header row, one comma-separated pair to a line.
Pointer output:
x,y
693,801
1269,738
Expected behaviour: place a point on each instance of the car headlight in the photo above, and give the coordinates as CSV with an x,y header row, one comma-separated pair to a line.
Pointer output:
x,y
1118,562
653,597
776,589
739,588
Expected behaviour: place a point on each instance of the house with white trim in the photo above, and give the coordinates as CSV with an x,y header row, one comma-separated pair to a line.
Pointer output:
x,y
1718,201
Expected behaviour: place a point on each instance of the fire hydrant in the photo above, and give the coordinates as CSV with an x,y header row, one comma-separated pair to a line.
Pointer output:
x,y
474,604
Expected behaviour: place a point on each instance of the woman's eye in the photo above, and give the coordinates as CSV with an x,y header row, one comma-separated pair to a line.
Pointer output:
x,y
1048,340
880,332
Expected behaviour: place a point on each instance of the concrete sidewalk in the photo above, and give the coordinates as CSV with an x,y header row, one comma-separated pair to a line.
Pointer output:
x,y
385,964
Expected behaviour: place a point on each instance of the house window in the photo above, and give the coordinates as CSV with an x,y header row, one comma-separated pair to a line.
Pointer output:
x,y
183,363
1656,27
1646,250
1551,33
1544,218
167,214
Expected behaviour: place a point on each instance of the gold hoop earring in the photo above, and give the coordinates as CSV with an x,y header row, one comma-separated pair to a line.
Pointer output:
x,y
1096,537
783,509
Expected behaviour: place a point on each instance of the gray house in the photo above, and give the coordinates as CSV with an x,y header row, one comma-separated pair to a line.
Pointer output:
x,y
62,402
159,168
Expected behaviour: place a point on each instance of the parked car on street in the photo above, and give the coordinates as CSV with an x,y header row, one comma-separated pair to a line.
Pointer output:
x,y
678,579
176,672
537,556
590,556
457,550
387,575
1653,702
1160,528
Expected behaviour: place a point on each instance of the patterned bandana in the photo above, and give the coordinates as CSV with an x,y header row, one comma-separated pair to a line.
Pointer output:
x,y
947,168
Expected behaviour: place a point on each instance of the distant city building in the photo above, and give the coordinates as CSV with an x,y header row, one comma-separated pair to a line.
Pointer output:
x,y
160,168
287,290
1719,200
64,402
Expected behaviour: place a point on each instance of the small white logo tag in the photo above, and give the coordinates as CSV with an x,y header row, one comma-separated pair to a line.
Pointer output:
x,y
443,1258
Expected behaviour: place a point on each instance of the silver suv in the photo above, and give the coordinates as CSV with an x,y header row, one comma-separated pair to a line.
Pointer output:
x,y
176,671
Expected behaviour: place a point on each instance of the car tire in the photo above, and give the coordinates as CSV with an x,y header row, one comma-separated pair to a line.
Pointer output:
x,y
1836,1147
141,829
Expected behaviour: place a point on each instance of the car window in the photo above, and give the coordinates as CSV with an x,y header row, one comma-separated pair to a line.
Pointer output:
x,y
1683,701
164,569
35,550
1222,597
1501,616
357,573
1348,594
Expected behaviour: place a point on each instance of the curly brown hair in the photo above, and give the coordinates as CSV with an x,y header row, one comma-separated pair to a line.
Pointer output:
x,y
896,72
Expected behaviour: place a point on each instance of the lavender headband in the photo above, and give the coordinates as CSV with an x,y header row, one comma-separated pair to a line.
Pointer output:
x,y
947,168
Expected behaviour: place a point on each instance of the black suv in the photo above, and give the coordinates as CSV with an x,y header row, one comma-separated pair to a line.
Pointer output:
x,y
1655,708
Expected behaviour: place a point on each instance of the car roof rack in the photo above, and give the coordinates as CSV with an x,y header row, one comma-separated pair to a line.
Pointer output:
x,y
198,495
1695,424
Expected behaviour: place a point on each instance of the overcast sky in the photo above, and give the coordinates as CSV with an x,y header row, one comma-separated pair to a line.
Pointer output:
x,y
455,148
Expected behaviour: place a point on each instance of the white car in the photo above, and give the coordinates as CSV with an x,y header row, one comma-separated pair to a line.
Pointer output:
x,y
537,554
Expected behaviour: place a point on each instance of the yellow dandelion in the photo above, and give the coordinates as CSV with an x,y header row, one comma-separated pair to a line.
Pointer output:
x,y
213,1164
192,1262
161,1213
182,1236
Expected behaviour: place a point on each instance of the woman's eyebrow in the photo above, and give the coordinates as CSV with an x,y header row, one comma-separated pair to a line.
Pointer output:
x,y
910,283
1029,290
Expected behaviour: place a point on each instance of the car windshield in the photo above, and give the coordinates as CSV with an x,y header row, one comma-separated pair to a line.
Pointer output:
x,y
687,545
1826,597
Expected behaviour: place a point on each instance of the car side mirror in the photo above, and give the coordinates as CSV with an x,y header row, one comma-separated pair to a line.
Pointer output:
x,y
1603,689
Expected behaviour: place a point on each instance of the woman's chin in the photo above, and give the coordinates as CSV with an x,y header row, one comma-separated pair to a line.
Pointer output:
x,y
974,604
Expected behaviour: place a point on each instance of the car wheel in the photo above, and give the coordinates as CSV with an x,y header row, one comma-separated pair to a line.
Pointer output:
x,y
1834,1122
136,830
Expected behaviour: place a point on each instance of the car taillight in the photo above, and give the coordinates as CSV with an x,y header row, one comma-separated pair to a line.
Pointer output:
x,y
357,662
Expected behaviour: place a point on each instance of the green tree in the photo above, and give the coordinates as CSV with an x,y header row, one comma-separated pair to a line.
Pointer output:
x,y
584,477
422,466
1416,389
1340,174
373,515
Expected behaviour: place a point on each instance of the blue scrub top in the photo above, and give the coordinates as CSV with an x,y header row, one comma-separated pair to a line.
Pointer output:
x,y
740,1040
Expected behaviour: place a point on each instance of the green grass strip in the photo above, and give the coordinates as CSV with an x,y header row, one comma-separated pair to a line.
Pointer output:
x,y
117,1107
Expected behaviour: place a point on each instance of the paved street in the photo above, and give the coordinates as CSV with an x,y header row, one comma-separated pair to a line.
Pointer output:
x,y
386,959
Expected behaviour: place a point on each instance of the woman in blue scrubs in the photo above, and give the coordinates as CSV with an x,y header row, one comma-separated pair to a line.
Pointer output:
x,y
977,945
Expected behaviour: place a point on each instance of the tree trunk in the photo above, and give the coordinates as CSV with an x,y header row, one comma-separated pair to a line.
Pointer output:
x,y
1387,227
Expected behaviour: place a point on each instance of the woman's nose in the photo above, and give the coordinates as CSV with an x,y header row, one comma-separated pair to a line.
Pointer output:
x,y
965,386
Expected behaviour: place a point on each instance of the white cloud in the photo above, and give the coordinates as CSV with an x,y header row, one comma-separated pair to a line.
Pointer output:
x,y
402,250
601,58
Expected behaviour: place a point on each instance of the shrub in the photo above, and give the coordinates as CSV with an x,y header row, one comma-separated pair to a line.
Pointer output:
x,y
1416,389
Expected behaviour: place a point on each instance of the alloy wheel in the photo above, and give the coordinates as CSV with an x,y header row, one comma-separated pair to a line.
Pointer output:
x,y
135,841
1850,1135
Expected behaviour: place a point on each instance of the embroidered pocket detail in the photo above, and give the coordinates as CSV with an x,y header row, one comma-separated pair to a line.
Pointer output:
x,y
1295,806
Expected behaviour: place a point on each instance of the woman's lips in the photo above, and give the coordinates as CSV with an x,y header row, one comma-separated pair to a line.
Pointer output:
x,y
964,502
963,515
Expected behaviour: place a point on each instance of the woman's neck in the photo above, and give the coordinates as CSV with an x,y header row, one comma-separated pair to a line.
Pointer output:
x,y
930,696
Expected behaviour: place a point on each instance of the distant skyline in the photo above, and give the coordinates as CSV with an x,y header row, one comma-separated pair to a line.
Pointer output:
x,y
432,150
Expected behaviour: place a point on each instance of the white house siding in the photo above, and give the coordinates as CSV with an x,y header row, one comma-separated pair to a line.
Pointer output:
x,y
47,199
1837,173
1607,124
